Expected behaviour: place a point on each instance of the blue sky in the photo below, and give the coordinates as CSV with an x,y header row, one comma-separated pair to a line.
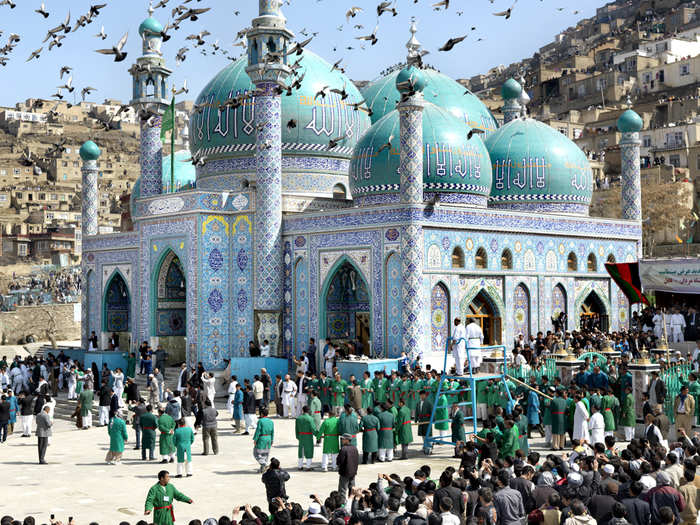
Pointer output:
x,y
533,24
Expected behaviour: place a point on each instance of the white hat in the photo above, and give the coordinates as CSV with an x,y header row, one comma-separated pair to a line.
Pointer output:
x,y
609,469
314,508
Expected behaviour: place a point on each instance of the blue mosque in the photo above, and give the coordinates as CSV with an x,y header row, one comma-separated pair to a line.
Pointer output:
x,y
326,211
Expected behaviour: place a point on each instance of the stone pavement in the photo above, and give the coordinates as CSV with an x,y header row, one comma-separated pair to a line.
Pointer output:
x,y
77,482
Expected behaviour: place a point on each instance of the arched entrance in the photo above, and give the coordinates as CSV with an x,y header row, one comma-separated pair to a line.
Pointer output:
x,y
593,313
559,308
439,317
482,310
170,308
116,310
345,302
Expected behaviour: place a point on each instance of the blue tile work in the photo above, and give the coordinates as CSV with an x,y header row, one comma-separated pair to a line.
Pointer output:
x,y
288,302
631,177
151,157
393,281
91,198
241,282
214,299
439,317
301,302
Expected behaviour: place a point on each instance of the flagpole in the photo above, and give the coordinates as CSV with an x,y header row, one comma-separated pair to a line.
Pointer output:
x,y
172,147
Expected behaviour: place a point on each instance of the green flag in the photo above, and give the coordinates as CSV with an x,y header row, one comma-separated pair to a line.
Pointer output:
x,y
168,120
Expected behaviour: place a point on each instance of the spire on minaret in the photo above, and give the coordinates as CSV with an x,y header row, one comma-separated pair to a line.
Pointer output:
x,y
414,56
150,8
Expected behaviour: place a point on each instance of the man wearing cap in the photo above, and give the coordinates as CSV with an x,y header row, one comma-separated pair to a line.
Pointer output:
x,y
161,498
348,423
459,345
664,495
348,459
148,424
263,439
117,438
166,426
386,434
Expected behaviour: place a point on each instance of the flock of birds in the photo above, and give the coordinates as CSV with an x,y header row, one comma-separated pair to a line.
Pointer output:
x,y
182,13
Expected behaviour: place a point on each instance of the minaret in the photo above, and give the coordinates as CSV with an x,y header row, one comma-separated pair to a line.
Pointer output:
x,y
511,92
267,66
411,82
150,94
89,153
630,124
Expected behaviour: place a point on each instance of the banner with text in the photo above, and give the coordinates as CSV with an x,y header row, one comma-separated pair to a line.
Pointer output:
x,y
671,275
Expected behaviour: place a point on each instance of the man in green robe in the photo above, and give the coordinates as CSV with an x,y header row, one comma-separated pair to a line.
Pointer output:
x,y
432,385
305,430
609,406
338,387
130,364
442,419
149,423
492,396
510,441
694,390
161,498
348,423
369,424
381,385
628,418
166,426
522,424
404,432
328,431
315,408
394,387
482,398
183,438
386,434
85,403
558,410
263,438
117,437
405,390
367,390
414,394
547,417
424,410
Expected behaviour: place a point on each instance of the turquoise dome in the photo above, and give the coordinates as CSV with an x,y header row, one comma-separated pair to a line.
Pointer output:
x,y
316,121
536,168
441,90
511,89
410,79
185,176
89,151
630,122
150,25
457,168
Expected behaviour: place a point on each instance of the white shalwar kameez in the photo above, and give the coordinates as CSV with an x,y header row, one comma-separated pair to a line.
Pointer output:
x,y
596,428
475,338
289,390
581,423
459,348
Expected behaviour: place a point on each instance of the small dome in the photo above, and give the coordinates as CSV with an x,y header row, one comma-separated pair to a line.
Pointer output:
x,y
630,122
150,26
382,96
511,89
536,168
410,79
89,151
453,166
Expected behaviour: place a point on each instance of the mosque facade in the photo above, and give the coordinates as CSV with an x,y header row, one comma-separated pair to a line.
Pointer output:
x,y
326,211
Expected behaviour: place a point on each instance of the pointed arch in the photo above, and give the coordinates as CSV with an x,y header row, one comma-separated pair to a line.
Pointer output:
x,y
572,262
506,260
559,305
116,304
439,316
457,257
169,293
325,288
481,259
592,263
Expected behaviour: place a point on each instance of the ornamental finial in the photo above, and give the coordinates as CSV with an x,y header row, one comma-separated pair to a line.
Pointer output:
x,y
413,45
150,8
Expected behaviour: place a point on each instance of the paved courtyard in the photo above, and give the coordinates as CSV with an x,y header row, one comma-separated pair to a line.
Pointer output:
x,y
77,482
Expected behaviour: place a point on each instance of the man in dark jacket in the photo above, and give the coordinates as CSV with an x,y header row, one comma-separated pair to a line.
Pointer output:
x,y
209,430
638,512
138,410
601,505
249,409
274,479
411,517
664,495
347,462
447,490
105,396
4,417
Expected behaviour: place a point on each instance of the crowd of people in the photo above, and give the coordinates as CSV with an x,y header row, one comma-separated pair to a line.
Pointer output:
x,y
605,469
57,286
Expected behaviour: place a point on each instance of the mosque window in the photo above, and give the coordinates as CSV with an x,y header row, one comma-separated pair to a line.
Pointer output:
x,y
592,263
611,258
339,192
457,258
506,260
482,259
572,262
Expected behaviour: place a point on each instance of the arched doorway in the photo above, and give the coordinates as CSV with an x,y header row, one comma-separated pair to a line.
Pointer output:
x,y
170,309
521,311
116,312
439,317
346,302
559,308
482,310
593,313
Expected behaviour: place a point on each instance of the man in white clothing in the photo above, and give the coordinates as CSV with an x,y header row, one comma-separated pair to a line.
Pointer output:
x,y
289,390
459,345
596,426
72,383
677,327
209,383
475,338
329,357
658,324
301,394
265,349
581,420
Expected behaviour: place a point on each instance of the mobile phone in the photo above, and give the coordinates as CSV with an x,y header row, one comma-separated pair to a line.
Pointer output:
x,y
241,508
52,516
70,518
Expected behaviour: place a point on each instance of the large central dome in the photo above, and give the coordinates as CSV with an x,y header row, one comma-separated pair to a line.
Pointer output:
x,y
308,122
